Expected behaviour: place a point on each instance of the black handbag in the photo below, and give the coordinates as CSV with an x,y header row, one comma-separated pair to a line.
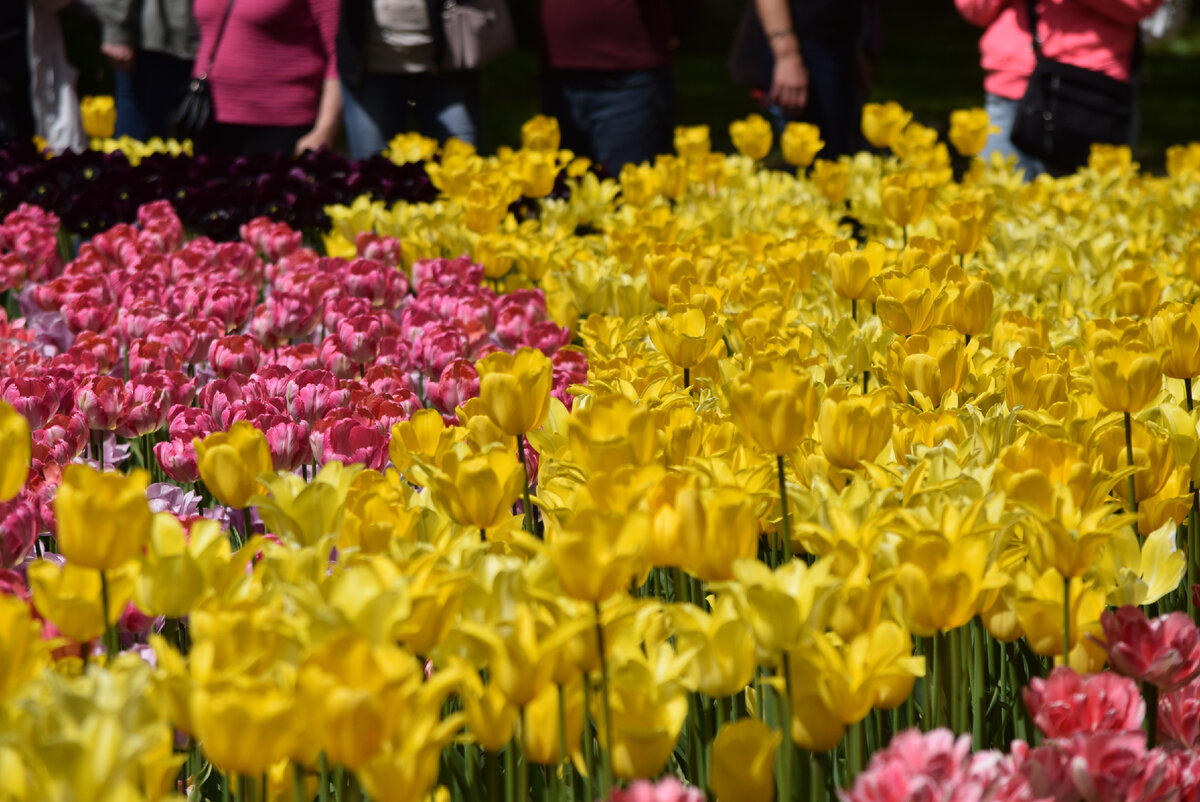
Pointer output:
x,y
194,118
1066,109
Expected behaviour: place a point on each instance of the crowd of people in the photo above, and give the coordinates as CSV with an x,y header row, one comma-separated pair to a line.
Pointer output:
x,y
293,75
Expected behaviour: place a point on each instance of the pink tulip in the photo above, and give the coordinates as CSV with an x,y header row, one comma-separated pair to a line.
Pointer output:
x,y
147,356
382,286
370,245
293,314
177,458
189,422
302,356
428,274
338,309
18,529
349,442
668,789
359,337
85,313
273,240
385,411
160,226
179,339
1164,652
337,361
102,347
458,382
147,402
313,393
547,336
287,439
1179,715
516,313
220,394
230,303
69,430
442,344
1103,764
36,399
235,353
1067,703
133,322
204,332
387,379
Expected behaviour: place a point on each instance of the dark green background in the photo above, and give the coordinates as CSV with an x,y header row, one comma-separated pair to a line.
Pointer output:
x,y
930,64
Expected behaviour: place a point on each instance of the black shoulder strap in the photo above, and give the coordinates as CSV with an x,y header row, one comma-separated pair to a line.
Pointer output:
x,y
1033,26
212,54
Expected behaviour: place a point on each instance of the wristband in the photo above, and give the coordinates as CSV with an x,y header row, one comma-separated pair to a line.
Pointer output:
x,y
779,34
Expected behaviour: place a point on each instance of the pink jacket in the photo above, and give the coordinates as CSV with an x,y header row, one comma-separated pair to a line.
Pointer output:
x,y
1095,34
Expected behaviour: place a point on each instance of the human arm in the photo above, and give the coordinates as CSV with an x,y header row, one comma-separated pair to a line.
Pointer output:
x,y
329,109
789,79
117,29
1129,12
982,12
329,116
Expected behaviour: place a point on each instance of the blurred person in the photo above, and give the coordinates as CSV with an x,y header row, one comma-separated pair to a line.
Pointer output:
x,y
810,61
151,45
274,77
606,77
1097,35
389,54
53,99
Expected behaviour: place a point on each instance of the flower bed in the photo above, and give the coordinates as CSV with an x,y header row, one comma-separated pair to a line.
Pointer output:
x,y
776,484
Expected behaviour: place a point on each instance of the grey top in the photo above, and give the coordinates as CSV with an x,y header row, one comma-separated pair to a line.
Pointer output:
x,y
162,26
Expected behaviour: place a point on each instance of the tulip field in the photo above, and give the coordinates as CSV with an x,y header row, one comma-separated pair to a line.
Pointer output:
x,y
456,477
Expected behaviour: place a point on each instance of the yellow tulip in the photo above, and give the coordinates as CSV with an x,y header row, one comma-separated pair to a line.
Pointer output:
x,y
717,528
540,732
1036,380
751,136
177,567
597,553
801,142
305,513
969,130
904,198
942,582
422,438
721,644
536,171
491,717
814,726
409,147
640,184
515,389
883,122
832,179
103,518
1039,606
781,605
99,116
1127,375
743,762
852,271
648,705
230,463
854,428
686,334
775,404
26,653
245,722
1175,328
692,143
1153,455
541,133
478,490
907,303
610,431
71,596
15,451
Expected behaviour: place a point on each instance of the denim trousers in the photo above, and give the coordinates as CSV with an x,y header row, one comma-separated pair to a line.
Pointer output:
x,y
148,94
1001,113
442,105
615,117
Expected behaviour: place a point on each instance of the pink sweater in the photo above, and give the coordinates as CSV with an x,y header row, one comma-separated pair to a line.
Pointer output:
x,y
272,59
1095,34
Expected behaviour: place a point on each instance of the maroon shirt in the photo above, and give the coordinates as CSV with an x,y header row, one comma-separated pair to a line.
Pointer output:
x,y
606,34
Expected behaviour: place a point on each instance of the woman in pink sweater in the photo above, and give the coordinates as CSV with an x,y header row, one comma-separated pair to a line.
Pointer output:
x,y
1097,35
274,74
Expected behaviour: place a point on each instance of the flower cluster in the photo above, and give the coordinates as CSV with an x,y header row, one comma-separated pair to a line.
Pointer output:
x,y
708,471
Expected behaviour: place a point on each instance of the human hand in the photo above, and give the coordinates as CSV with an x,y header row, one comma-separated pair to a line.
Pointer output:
x,y
121,56
314,140
789,83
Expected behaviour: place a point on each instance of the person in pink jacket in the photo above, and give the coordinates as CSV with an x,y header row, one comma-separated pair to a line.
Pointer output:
x,y
1098,35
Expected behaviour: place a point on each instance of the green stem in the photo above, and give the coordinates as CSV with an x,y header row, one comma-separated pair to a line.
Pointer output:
x,y
1133,505
977,680
241,788
323,765
564,754
687,380
1066,620
522,763
527,520
589,759
491,767
939,679
855,751
785,726
816,789
785,545
110,632
854,309
606,755
954,653
298,783
1193,558
225,796
1187,391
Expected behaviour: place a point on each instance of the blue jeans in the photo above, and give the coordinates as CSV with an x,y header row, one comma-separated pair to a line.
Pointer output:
x,y
1001,112
443,106
148,94
612,117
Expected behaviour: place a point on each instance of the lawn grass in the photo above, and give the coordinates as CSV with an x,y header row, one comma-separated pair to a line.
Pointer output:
x,y
930,64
